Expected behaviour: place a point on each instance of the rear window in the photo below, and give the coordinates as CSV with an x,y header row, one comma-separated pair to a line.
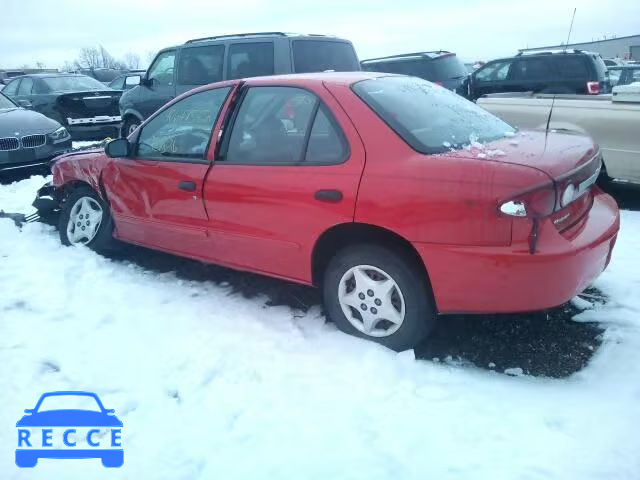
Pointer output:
x,y
431,119
438,69
601,68
71,84
318,56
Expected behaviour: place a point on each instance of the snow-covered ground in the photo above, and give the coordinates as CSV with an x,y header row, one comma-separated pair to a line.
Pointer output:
x,y
211,385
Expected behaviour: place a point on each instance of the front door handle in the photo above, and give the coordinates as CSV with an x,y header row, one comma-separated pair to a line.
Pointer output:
x,y
187,186
329,196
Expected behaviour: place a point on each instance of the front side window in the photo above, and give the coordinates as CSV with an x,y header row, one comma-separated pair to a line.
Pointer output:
x,y
271,126
201,65
250,60
25,86
118,83
183,130
429,118
614,76
11,88
493,72
5,103
320,56
161,72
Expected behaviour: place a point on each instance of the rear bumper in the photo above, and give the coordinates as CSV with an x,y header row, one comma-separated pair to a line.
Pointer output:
x,y
94,132
510,279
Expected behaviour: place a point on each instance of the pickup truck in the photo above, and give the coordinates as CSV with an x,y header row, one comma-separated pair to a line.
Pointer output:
x,y
613,121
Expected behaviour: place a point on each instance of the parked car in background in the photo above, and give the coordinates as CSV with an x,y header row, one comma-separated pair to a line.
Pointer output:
x,y
613,62
613,124
624,75
127,81
28,139
103,75
269,175
176,70
441,67
566,71
86,107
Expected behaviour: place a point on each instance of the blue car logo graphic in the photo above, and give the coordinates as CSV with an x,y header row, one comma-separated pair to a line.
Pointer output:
x,y
46,432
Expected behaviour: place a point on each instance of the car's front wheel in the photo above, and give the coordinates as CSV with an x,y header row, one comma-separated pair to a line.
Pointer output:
x,y
379,294
129,126
85,219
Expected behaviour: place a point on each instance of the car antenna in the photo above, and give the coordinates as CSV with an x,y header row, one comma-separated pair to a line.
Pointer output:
x,y
553,101
570,28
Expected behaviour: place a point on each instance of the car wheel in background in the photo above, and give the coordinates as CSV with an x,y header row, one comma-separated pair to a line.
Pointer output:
x,y
129,126
379,294
85,219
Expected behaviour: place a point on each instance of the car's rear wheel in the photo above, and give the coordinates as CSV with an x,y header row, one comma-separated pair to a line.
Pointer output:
x,y
85,219
379,294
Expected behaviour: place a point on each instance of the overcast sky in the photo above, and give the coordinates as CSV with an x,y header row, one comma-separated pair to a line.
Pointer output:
x,y
53,32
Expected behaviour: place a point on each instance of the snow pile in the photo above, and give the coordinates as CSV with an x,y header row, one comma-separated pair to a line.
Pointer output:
x,y
210,385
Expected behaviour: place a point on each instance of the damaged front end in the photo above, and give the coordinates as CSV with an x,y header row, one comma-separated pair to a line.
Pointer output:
x,y
47,203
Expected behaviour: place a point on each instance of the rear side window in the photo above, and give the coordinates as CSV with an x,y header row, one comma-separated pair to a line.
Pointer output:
x,y
271,126
200,65
25,86
319,56
429,118
250,60
573,68
531,69
327,144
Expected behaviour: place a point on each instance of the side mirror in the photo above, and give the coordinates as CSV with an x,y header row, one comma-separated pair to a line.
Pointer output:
x,y
109,411
118,148
25,103
28,410
146,82
133,81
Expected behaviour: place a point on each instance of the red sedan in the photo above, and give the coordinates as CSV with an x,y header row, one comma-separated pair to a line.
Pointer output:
x,y
400,199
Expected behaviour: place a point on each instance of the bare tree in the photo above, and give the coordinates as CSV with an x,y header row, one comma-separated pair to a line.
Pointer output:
x,y
132,61
89,58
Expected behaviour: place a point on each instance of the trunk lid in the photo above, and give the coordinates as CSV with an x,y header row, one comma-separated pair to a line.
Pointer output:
x,y
89,104
555,154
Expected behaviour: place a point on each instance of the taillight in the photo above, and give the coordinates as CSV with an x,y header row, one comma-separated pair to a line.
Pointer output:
x,y
536,203
593,88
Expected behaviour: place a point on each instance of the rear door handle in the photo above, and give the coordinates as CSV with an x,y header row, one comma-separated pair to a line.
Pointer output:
x,y
329,196
187,186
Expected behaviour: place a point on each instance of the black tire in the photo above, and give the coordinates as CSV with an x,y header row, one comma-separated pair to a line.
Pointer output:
x,y
103,240
129,125
419,309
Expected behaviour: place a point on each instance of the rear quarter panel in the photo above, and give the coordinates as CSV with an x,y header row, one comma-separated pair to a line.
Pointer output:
x,y
431,198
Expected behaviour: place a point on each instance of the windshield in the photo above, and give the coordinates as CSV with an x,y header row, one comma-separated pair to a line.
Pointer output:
x,y
5,103
69,402
319,56
72,83
431,119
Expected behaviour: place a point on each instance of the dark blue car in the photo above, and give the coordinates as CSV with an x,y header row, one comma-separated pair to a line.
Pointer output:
x,y
31,448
